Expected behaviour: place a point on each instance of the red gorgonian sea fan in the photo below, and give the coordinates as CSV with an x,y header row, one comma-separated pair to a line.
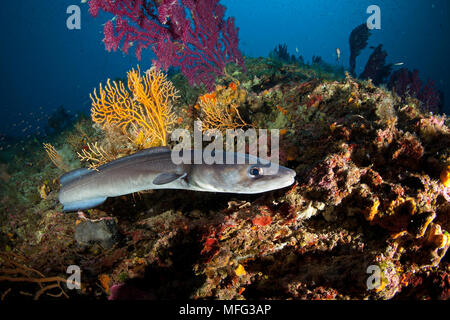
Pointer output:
x,y
190,34
406,82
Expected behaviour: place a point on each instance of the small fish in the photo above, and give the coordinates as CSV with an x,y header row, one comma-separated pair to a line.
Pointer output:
x,y
398,64
338,54
112,19
153,168
296,50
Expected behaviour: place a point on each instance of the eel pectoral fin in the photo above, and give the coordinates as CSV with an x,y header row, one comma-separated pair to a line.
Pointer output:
x,y
167,177
83,204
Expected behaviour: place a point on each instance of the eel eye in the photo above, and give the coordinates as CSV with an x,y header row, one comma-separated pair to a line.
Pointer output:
x,y
255,172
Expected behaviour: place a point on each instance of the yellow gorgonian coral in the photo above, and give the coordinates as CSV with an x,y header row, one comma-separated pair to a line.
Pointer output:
x,y
56,157
95,155
219,109
143,112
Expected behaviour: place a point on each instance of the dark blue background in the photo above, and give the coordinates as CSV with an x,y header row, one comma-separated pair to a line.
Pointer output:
x,y
45,65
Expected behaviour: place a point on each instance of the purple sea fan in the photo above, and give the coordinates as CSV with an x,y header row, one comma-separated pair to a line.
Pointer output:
x,y
405,82
358,41
190,34
376,67
431,97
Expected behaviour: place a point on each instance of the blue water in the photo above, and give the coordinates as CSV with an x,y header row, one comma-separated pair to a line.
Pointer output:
x,y
45,65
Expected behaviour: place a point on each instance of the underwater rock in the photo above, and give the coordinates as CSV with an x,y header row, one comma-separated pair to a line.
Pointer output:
x,y
103,232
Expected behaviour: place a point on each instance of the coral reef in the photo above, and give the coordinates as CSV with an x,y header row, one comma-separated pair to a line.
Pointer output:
x,y
372,193
404,82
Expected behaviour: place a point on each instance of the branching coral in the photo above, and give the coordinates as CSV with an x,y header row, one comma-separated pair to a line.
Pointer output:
x,y
408,83
220,108
95,155
143,112
358,41
376,67
191,35
13,269
55,157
